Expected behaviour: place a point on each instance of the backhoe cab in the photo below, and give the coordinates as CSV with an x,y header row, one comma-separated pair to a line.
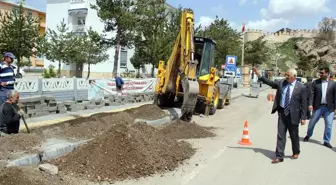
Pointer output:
x,y
189,76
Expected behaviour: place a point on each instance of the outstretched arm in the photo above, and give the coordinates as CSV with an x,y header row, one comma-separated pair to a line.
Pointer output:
x,y
270,83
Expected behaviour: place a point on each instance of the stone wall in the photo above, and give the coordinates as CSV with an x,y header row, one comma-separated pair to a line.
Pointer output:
x,y
253,34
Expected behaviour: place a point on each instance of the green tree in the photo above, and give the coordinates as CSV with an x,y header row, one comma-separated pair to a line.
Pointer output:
x,y
19,33
327,29
137,61
257,52
228,40
93,51
118,18
60,45
153,36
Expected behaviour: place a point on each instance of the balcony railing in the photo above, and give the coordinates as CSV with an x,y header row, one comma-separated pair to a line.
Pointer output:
x,y
78,7
78,28
77,1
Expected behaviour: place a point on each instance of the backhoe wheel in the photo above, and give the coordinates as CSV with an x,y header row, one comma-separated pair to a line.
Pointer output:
x,y
221,103
215,99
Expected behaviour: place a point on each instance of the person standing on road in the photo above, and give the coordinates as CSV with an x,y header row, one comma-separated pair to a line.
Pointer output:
x,y
309,87
322,102
7,76
291,104
9,115
119,83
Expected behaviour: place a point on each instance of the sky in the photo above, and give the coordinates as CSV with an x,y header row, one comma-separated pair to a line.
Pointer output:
x,y
266,15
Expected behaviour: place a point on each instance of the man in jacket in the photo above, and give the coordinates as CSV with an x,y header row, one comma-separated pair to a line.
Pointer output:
x,y
322,102
9,114
7,76
119,83
291,104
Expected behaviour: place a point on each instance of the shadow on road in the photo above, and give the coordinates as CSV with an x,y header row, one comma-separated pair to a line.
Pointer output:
x,y
267,153
312,141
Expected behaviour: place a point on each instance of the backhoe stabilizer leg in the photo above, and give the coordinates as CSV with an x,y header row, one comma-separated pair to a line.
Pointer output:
x,y
190,93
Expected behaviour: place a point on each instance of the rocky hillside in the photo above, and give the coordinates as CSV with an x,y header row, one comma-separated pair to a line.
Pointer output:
x,y
316,53
306,54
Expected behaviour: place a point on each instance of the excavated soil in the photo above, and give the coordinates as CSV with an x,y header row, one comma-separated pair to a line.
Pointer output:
x,y
27,176
18,143
184,130
125,151
85,128
96,125
147,112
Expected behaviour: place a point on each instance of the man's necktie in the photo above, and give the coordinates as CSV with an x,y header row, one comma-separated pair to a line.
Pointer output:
x,y
287,100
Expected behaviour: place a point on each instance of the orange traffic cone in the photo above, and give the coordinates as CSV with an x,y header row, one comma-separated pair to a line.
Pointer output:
x,y
245,140
270,97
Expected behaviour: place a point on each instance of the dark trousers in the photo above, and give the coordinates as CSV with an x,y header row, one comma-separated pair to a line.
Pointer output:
x,y
284,124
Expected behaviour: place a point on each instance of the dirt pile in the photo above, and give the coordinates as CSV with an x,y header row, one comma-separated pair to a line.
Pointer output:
x,y
125,152
86,128
27,176
184,130
17,143
148,112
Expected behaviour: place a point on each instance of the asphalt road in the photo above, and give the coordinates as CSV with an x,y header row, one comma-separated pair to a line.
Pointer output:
x,y
221,160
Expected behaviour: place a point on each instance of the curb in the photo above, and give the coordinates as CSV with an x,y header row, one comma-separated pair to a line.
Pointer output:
x,y
59,149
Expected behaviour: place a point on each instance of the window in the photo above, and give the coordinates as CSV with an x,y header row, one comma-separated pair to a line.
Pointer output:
x,y
81,21
123,58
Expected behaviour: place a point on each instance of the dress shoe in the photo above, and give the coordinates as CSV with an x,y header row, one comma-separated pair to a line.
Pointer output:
x,y
327,145
295,156
306,139
277,160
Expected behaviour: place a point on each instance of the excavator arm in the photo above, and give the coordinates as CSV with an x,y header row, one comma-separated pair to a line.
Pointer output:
x,y
180,69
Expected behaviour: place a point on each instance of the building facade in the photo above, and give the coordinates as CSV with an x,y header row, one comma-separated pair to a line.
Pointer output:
x,y
5,6
79,17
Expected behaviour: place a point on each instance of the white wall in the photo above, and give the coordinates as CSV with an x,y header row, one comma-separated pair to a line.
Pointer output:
x,y
58,10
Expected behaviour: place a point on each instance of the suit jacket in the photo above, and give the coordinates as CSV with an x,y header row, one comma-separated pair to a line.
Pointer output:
x,y
309,86
298,102
316,95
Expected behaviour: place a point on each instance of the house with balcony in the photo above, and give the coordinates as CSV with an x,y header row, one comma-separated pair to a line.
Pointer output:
x,y
79,17
5,6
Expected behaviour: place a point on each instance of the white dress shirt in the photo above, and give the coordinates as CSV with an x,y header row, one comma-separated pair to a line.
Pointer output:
x,y
324,91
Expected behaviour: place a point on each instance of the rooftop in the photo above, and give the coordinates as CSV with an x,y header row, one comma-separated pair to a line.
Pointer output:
x,y
25,6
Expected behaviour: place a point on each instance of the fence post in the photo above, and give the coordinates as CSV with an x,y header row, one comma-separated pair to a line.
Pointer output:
x,y
75,90
40,86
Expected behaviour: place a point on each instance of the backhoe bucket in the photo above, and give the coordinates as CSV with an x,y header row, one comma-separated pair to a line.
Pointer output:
x,y
190,94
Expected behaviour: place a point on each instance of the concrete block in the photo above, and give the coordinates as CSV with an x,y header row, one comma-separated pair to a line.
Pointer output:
x,y
31,99
25,161
90,106
31,111
3,164
49,168
52,109
49,97
106,102
68,103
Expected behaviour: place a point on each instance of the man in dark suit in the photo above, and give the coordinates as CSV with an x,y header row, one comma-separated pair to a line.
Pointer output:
x,y
291,104
309,85
322,102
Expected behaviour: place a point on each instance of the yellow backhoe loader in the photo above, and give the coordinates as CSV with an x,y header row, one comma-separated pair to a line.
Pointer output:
x,y
190,75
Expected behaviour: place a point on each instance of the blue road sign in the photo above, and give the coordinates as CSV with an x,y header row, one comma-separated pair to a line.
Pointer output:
x,y
231,63
238,71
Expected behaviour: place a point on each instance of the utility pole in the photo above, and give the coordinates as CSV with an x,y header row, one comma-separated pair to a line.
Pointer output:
x,y
245,69
243,46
